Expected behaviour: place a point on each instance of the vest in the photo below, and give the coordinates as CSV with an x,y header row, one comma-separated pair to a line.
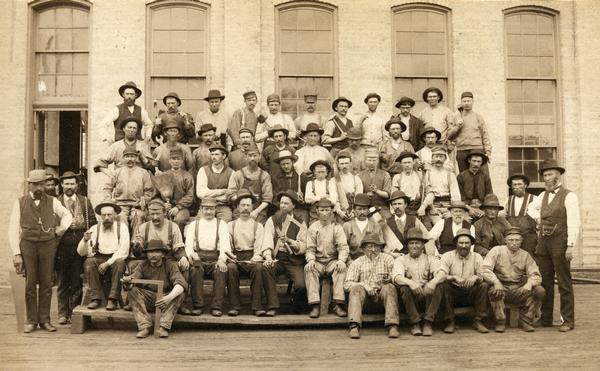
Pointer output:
x,y
254,185
218,180
447,237
37,222
80,212
520,218
338,124
553,215
410,223
124,113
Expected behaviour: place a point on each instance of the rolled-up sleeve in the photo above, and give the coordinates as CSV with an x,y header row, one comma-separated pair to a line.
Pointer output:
x,y
65,215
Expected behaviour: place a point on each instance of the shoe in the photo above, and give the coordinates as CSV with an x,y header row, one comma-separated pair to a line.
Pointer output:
x,y
94,304
28,328
547,324
565,327
260,313
354,333
393,332
233,313
63,320
111,305
184,311
315,312
271,313
216,313
479,326
450,327
526,327
163,332
416,330
128,308
500,326
339,311
196,311
143,333
48,327
427,330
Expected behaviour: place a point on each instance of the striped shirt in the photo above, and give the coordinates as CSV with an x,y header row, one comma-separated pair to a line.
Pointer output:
x,y
369,272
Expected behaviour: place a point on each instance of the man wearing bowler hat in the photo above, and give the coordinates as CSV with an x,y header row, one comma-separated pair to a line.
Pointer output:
x,y
33,235
474,182
310,113
372,122
489,230
244,117
516,210
557,212
202,156
215,116
111,129
472,133
408,180
273,118
336,128
185,121
392,147
414,126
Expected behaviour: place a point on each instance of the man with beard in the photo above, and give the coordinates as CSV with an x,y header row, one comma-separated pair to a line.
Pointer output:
x,y
472,133
273,118
408,180
355,150
112,131
237,158
336,128
557,212
33,237
431,138
391,148
289,180
309,115
202,156
474,182
377,183
312,150
185,121
217,117
516,210
50,185
360,226
255,180
414,126
489,230
244,118
370,278
181,190
213,182
283,248
105,246
171,129
131,188
69,263
279,135
445,231
143,297
372,122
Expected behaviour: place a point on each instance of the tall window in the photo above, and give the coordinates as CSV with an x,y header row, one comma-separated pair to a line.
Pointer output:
x,y
532,111
420,51
178,53
305,56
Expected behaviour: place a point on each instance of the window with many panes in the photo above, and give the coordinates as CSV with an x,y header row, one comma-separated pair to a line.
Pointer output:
x,y
420,51
177,53
306,58
531,87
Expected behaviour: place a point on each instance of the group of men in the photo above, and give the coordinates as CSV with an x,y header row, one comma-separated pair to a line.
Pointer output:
x,y
397,210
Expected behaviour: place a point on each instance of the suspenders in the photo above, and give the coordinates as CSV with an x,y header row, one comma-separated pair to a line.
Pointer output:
x,y
169,234
98,235
197,244
233,230
326,187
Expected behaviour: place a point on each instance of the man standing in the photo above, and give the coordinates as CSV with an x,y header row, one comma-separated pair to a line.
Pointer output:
x,y
360,226
355,150
445,230
312,150
309,115
377,183
215,116
69,264
171,129
474,182
112,131
237,158
372,122
348,183
489,230
516,210
392,147
472,132
274,117
213,180
244,118
408,180
557,212
289,180
50,185
439,116
202,156
414,126
105,247
33,236
185,121
270,153
336,128
369,277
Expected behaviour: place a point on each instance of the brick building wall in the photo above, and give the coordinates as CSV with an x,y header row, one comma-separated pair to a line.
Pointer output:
x,y
242,56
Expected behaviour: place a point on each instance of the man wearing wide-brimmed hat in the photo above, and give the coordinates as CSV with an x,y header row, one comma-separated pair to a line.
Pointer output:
x,y
112,131
414,126
371,123
288,180
408,180
185,121
202,156
312,150
69,264
431,138
237,158
360,225
516,210
336,128
489,230
557,212
472,132
369,278
33,235
270,153
323,184
216,116
213,180
474,182
310,113
273,118
244,117
445,230
393,146
105,247
171,129
439,116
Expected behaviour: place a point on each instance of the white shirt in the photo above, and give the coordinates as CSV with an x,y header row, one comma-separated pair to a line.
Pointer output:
x,y
406,133
109,242
373,128
351,183
362,224
108,127
262,130
207,236
202,189
572,206
410,184
320,191
309,154
438,228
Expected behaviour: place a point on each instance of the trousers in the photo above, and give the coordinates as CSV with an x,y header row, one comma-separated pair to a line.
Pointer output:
x,y
313,282
293,267
475,296
358,297
92,275
528,303
412,301
143,300
206,269
69,266
258,282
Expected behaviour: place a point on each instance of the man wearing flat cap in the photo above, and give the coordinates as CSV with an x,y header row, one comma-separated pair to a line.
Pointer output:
x,y
474,182
171,130
69,265
516,210
370,278
312,150
489,230
185,121
360,226
216,116
414,126
372,122
309,114
270,153
213,181
244,117
472,133
274,117
336,128
112,131
237,158
556,210
34,233
392,147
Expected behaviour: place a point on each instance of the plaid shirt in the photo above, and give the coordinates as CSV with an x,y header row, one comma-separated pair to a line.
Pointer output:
x,y
369,272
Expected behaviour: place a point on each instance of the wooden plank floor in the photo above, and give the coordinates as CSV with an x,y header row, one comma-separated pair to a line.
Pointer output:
x,y
114,345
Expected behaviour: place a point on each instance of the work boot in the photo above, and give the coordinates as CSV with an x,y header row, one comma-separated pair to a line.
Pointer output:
x,y
315,312
216,313
500,326
271,313
197,311
393,332
260,313
450,327
28,328
48,327
479,326
339,311
427,330
128,307
354,333
416,330
163,332
526,327
143,333
111,304
233,313
94,304
185,311
63,320
565,327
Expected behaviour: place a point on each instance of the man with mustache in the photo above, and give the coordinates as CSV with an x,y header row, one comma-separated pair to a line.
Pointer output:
x,y
472,133
489,230
237,158
431,137
270,153
172,129
217,117
33,236
69,264
185,121
355,150
310,113
392,147
440,116
408,180
414,126
180,195
202,154
516,210
50,185
112,131
377,183
213,181
371,122
273,118
336,128
105,247
289,180
474,182
445,231
312,150
244,118
360,226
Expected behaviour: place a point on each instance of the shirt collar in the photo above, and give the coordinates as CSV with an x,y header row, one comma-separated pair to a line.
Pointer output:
x,y
402,218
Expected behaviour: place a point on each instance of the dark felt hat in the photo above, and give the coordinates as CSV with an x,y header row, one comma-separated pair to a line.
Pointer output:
x,y
491,200
324,202
431,129
313,127
130,85
206,127
372,95
399,194
172,95
172,122
405,154
458,205
372,238
108,203
524,177
129,119
415,234
395,120
477,152
218,146
68,175
240,195
405,100
464,232
551,164
214,94
434,89
321,162
354,134
156,245
362,199
275,128
340,99
288,193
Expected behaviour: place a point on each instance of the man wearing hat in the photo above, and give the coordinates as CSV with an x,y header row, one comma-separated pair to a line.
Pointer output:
x,y
213,181
144,297
408,180
255,180
355,150
310,113
283,249
431,138
322,185
246,239
217,117
392,147
515,278
348,183
370,278
464,284
516,210
414,126
312,150
270,153
489,230
202,155
207,245
377,183
184,121
474,182
69,265
371,122
556,210
171,130
360,226
273,118
336,128
244,118
111,124
237,158
105,247
419,280
33,235
288,180
472,132
326,255
131,188
445,231
439,116
50,184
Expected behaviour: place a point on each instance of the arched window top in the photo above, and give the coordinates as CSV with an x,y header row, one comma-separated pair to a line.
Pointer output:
x,y
542,10
178,3
40,5
293,4
421,6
